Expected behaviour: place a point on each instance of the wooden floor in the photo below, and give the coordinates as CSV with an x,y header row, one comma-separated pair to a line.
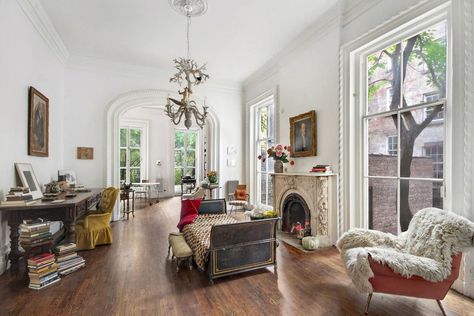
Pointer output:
x,y
134,277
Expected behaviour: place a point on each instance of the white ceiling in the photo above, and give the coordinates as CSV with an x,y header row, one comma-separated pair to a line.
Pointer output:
x,y
235,37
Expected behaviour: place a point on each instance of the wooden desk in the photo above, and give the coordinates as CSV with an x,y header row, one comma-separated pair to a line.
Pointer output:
x,y
67,212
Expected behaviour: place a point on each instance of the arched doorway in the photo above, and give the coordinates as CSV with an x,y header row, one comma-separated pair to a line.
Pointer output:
x,y
151,98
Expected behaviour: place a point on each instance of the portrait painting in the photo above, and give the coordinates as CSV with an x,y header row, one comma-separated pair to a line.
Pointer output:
x,y
303,135
38,124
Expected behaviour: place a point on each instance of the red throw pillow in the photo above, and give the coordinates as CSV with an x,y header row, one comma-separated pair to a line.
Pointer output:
x,y
189,211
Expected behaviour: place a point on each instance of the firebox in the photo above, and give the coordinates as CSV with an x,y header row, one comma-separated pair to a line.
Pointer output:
x,y
295,210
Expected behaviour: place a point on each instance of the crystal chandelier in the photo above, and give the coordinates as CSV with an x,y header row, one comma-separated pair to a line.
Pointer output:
x,y
189,71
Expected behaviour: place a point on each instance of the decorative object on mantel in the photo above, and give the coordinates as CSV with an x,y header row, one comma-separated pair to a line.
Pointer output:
x,y
326,169
280,154
38,124
212,177
86,153
303,138
28,179
188,70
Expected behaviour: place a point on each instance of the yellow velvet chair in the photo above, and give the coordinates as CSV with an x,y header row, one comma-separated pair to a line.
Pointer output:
x,y
95,229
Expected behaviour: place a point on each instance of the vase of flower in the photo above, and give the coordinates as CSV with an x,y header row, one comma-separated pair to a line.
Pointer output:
x,y
278,167
280,154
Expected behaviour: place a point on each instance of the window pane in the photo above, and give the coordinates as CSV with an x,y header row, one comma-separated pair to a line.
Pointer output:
x,y
416,195
135,158
123,137
191,140
263,188
123,175
422,152
191,159
135,135
263,122
270,190
383,84
179,139
135,175
262,163
179,158
382,202
425,74
123,157
191,172
178,174
382,161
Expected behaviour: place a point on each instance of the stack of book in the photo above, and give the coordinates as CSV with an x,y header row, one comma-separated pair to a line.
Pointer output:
x,y
35,233
18,196
67,258
43,271
327,169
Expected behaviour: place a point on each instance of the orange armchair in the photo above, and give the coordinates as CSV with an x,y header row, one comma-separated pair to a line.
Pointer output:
x,y
240,197
385,280
95,229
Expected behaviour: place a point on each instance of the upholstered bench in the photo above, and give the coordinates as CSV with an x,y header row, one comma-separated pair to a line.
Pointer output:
x,y
181,250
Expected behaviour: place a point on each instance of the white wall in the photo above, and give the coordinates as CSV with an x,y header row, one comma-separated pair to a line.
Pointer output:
x,y
90,89
307,78
26,61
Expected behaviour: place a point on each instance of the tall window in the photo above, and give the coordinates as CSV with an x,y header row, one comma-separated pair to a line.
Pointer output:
x,y
264,133
401,181
131,158
185,150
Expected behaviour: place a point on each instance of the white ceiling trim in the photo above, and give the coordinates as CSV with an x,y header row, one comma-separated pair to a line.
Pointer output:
x,y
322,26
357,8
41,22
96,65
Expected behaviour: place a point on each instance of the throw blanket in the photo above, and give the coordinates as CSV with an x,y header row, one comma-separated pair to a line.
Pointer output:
x,y
198,234
424,250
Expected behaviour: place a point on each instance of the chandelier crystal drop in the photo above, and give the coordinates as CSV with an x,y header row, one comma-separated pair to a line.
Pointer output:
x,y
189,71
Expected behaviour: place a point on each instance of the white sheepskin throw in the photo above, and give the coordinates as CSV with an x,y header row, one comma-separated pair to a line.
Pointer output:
x,y
425,249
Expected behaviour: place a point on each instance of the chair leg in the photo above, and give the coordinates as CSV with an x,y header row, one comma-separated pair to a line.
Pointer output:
x,y
441,307
369,298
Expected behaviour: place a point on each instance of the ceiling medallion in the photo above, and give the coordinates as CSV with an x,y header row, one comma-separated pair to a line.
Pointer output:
x,y
189,71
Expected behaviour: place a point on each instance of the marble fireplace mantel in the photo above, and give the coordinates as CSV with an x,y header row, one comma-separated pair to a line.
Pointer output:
x,y
317,190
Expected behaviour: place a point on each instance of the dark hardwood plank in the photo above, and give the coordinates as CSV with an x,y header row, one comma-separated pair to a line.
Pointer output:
x,y
133,276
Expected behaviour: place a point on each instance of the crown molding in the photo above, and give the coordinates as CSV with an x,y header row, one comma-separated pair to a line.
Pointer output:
x,y
43,25
92,64
355,9
323,25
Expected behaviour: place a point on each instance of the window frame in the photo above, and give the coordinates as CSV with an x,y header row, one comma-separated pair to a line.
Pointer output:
x,y
144,146
197,155
352,203
268,96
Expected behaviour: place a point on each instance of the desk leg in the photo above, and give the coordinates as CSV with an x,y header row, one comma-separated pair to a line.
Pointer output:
x,y
70,225
15,253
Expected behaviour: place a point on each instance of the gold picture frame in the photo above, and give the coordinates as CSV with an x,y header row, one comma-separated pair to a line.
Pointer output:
x,y
303,135
85,153
38,124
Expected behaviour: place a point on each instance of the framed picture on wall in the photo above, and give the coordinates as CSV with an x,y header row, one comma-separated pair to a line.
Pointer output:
x,y
85,153
28,179
303,138
38,124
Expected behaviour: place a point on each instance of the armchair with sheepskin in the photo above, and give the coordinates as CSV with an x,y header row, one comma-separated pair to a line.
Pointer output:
x,y
422,262
94,229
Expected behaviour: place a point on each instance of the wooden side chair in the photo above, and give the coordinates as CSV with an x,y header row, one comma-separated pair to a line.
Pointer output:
x,y
240,198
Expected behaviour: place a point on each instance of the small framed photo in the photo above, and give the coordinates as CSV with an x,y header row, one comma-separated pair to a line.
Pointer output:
x,y
67,175
28,179
86,153
38,124
303,136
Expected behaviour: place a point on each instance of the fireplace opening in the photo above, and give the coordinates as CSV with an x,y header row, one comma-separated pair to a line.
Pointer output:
x,y
295,210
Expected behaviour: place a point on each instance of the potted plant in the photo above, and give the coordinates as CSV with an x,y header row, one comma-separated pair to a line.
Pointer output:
x,y
280,154
212,177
